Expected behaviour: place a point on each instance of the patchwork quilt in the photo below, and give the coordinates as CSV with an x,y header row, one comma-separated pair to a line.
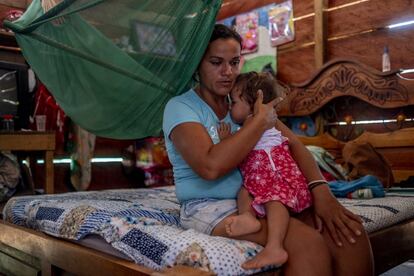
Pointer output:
x,y
144,225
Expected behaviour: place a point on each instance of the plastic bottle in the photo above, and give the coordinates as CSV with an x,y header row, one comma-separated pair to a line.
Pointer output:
x,y
386,64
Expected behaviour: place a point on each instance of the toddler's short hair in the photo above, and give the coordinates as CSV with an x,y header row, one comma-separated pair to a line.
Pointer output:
x,y
250,82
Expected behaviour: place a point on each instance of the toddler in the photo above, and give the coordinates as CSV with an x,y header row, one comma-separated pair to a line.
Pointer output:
x,y
270,175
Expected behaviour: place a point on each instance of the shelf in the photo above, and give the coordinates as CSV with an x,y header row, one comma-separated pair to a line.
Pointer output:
x,y
33,141
8,40
4,33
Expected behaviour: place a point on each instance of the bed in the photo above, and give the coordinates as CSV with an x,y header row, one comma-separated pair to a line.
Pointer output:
x,y
363,93
142,224
342,96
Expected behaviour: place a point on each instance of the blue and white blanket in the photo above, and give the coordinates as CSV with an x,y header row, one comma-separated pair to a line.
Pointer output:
x,y
144,225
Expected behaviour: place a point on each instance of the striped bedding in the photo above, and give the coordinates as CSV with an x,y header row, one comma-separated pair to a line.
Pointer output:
x,y
144,225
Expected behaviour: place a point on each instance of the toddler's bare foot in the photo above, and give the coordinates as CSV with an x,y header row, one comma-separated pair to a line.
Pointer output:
x,y
242,224
268,256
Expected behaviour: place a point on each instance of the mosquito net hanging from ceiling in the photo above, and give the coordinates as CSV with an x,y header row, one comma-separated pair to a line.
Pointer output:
x,y
113,64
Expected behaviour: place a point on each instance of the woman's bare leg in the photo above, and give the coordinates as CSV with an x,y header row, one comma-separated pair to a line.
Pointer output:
x,y
308,253
277,224
246,222
349,259
244,202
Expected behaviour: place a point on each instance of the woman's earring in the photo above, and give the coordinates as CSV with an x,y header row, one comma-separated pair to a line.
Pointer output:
x,y
196,77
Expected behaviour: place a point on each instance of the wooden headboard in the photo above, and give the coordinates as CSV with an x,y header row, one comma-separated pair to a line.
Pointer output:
x,y
341,79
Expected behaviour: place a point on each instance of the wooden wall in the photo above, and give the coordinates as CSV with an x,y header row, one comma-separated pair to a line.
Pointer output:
x,y
354,29
346,29
9,50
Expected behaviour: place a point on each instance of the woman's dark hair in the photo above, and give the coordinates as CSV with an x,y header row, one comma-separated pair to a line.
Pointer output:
x,y
222,31
250,82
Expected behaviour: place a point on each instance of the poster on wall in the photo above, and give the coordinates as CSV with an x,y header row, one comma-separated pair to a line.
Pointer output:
x,y
247,26
262,30
281,28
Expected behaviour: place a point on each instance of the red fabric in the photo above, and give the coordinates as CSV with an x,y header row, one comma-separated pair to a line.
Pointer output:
x,y
327,176
55,117
284,182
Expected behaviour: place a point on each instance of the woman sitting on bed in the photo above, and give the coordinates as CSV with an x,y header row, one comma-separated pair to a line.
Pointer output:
x,y
324,240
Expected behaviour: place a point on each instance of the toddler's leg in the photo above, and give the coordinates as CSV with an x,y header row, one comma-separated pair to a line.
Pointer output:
x,y
277,223
245,222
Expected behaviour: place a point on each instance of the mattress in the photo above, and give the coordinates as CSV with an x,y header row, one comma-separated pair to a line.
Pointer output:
x,y
143,225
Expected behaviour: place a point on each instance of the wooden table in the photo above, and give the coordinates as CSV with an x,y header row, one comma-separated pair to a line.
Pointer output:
x,y
33,141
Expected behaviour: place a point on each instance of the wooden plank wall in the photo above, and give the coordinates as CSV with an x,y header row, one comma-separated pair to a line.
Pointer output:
x,y
355,29
9,50
6,5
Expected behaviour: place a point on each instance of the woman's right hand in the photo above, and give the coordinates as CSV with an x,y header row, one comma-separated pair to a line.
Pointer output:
x,y
266,112
338,221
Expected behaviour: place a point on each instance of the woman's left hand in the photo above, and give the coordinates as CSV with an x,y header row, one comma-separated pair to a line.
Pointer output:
x,y
338,221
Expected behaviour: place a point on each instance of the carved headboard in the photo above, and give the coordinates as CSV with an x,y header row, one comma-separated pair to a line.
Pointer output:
x,y
348,84
348,78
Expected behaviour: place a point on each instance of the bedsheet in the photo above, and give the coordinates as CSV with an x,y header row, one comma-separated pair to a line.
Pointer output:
x,y
141,223
380,213
144,225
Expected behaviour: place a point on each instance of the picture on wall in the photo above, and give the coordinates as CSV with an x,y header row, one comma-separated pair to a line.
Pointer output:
x,y
281,28
247,26
257,53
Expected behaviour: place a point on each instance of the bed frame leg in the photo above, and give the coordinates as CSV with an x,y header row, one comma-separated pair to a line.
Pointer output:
x,y
49,270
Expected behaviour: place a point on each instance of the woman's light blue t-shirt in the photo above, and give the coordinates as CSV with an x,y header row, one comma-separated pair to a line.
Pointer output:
x,y
189,107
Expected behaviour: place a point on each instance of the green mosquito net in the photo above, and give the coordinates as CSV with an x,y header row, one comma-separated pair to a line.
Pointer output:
x,y
113,64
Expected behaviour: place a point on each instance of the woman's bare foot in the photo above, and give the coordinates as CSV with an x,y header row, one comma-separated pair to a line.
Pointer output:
x,y
268,256
242,224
